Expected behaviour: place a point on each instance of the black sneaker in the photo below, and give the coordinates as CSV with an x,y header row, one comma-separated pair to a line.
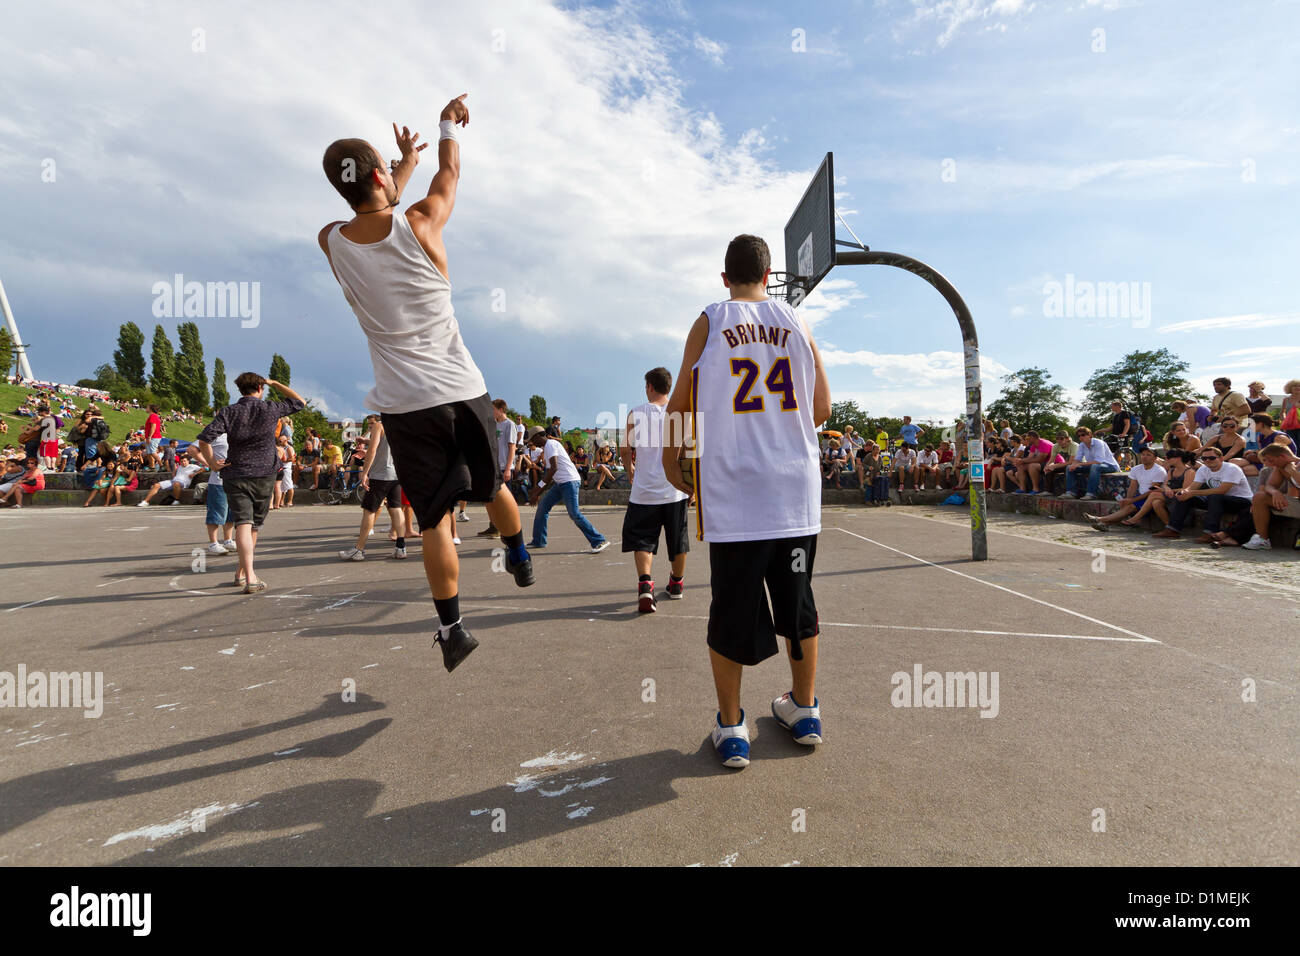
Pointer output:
x,y
645,597
488,532
523,571
457,645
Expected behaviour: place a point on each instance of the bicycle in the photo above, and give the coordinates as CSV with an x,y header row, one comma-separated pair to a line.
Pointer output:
x,y
1122,449
336,493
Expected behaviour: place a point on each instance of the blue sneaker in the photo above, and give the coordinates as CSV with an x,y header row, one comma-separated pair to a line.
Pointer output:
x,y
731,742
805,723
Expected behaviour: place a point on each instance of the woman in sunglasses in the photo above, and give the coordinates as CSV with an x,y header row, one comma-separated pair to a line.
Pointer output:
x,y
1228,442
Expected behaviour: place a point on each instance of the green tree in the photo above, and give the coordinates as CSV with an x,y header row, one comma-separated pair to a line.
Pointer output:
x,y
848,413
279,372
191,375
1146,382
106,378
537,409
313,417
1030,400
129,357
220,393
162,366
6,351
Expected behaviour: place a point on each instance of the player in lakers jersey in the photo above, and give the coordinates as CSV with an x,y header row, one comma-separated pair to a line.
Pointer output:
x,y
754,389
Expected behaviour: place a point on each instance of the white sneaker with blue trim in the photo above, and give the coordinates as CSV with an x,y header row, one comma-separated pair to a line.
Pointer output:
x,y
731,742
805,723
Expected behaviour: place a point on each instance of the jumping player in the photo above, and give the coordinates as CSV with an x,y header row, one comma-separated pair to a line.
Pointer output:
x,y
753,382
653,503
437,416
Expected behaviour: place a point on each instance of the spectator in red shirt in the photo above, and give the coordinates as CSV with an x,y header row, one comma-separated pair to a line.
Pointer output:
x,y
152,435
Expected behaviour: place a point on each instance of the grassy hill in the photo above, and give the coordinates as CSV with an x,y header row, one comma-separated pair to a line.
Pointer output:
x,y
120,423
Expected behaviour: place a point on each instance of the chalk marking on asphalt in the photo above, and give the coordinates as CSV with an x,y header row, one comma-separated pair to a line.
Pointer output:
x,y
344,601
1169,565
172,583
114,581
1141,638
32,603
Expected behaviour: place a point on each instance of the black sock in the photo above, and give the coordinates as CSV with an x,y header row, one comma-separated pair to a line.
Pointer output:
x,y
645,577
401,542
515,540
448,609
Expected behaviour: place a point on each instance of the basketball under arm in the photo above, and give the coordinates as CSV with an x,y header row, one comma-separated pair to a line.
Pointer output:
x,y
679,404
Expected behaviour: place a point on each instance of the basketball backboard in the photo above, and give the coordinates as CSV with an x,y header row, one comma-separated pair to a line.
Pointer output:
x,y
810,235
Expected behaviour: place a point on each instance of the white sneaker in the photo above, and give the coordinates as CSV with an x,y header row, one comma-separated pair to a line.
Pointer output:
x,y
1256,543
731,743
804,722
176,501
462,516
597,548
143,504
455,539
1069,494
353,554
399,554
216,548
229,545
1088,498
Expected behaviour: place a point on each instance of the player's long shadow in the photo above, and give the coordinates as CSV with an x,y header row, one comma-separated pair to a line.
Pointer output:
x,y
27,798
617,611
346,831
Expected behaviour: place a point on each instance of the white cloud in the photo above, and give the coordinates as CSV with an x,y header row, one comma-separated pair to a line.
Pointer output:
x,y
713,50
953,15
938,369
1249,320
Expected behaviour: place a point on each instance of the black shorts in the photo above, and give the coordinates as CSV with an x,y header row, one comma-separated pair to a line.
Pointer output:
x,y
641,525
445,454
742,628
248,499
382,492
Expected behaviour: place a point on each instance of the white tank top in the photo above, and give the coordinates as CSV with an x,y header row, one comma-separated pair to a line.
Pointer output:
x,y
649,486
757,475
404,306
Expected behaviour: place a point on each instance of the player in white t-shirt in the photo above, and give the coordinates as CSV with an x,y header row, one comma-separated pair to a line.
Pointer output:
x,y
560,482
392,268
1148,474
753,384
1218,487
653,503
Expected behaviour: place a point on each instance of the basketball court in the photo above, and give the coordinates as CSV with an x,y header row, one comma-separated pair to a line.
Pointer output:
x,y
577,732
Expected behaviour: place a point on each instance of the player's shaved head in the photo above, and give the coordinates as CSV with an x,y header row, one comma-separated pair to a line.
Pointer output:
x,y
350,165
748,258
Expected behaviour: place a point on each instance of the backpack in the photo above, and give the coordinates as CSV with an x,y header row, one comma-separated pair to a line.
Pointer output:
x,y
100,429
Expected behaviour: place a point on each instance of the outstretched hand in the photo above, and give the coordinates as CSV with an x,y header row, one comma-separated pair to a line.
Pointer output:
x,y
456,111
406,141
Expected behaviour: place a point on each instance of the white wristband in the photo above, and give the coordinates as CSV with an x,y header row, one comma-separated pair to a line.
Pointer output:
x,y
446,130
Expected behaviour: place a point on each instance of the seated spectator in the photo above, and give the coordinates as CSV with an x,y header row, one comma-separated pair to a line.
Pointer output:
x,y
1092,460
1228,442
582,462
903,465
832,463
927,465
1279,483
1039,453
946,464
873,476
27,482
603,468
331,462
1178,438
102,485
1006,433
1193,414
1257,398
1265,435
1181,466
1143,480
126,479
1291,411
1218,487
179,481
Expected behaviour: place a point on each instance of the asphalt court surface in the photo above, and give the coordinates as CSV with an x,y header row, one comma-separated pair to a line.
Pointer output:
x,y
577,732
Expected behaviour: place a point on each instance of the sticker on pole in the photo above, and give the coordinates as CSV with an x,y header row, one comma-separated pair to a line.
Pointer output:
x,y
975,450
977,471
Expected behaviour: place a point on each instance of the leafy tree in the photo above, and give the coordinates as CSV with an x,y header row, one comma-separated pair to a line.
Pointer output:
x,y
537,410
279,371
162,365
129,357
848,413
1146,382
1030,400
313,417
220,394
6,351
191,376
106,378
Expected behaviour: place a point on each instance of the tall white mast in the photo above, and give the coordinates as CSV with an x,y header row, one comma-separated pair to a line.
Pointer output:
x,y
23,364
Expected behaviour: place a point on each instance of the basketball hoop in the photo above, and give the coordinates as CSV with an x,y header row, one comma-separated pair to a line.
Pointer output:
x,y
787,285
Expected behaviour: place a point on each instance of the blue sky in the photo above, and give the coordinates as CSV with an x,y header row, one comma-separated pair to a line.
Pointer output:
x,y
615,148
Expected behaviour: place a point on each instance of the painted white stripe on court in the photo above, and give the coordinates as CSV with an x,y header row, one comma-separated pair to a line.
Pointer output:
x,y
1141,638
32,604
114,581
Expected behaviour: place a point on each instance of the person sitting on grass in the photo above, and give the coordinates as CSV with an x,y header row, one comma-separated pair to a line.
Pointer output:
x,y
1093,459
1143,480
1279,484
1218,487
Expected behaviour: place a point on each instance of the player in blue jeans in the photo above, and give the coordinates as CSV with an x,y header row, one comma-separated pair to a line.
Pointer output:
x,y
560,482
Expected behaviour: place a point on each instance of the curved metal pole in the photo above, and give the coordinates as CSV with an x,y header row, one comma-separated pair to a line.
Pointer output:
x,y
979,546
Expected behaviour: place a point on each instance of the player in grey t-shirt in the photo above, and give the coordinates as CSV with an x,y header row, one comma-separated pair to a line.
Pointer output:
x,y
379,479
508,438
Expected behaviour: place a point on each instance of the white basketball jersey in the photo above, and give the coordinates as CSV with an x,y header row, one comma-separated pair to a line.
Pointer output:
x,y
757,474
649,484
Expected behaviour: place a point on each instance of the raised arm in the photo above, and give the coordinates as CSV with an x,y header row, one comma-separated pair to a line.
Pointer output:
x,y
435,208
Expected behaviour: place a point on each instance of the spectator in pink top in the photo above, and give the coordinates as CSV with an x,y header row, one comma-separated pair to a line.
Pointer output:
x,y
1029,471
152,435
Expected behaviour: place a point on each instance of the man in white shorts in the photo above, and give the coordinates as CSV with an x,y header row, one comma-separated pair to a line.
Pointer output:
x,y
179,481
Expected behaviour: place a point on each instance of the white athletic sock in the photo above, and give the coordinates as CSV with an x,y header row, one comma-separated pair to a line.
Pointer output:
x,y
445,629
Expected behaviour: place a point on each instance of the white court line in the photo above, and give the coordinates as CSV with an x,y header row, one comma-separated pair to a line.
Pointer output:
x,y
1142,638
114,581
961,630
33,603
1170,565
